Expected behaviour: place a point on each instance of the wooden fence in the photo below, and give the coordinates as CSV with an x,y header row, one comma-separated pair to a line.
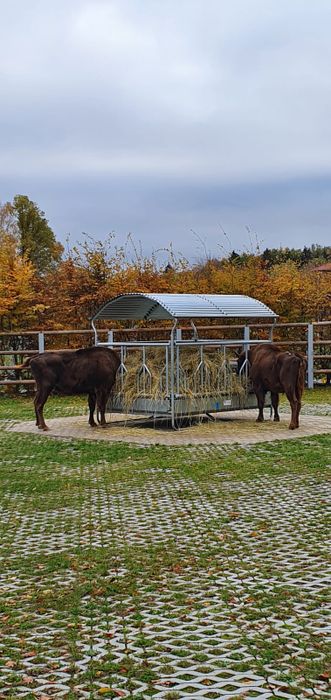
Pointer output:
x,y
312,339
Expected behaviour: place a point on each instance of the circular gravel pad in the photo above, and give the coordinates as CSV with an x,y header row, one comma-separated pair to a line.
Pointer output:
x,y
227,428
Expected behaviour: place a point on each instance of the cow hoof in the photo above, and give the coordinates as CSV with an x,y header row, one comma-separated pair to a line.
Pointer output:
x,y
93,425
260,420
293,427
276,419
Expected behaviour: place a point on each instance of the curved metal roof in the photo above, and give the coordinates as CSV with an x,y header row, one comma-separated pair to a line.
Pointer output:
x,y
172,306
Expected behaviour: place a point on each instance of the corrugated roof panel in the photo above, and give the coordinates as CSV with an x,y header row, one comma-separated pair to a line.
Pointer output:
x,y
172,306
240,305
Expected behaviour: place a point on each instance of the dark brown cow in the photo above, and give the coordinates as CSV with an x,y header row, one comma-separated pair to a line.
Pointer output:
x,y
89,371
272,369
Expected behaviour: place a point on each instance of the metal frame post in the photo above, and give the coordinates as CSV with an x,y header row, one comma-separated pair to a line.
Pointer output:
x,y
178,338
110,338
41,342
247,336
172,375
95,333
310,355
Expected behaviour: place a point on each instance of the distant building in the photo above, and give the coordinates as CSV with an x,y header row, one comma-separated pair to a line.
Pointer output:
x,y
323,268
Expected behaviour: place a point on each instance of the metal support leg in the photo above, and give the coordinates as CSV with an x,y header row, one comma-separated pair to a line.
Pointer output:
x,y
310,355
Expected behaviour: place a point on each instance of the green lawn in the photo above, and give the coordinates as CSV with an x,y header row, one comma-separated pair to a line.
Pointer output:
x,y
21,407
168,572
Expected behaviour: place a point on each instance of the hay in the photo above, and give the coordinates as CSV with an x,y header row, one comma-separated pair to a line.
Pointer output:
x,y
199,376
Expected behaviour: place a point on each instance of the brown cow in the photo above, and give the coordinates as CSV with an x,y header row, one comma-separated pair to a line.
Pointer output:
x,y
272,369
89,371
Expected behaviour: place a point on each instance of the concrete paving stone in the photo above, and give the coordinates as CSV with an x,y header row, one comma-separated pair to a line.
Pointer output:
x,y
202,629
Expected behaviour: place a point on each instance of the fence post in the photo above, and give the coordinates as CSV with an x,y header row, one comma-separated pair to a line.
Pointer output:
x,y
310,355
246,336
41,342
110,338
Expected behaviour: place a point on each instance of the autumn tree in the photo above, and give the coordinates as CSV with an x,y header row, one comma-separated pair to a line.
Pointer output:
x,y
36,238
40,288
314,254
18,304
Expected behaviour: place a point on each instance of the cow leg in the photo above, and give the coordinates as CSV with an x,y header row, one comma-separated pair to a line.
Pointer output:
x,y
274,403
39,403
295,414
102,397
295,408
91,404
260,395
35,407
298,411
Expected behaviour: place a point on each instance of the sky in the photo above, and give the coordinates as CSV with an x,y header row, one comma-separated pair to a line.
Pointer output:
x,y
204,125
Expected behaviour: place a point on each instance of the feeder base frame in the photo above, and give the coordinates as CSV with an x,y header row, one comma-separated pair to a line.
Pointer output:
x,y
184,406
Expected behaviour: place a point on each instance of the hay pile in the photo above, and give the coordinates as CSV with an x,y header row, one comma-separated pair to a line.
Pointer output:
x,y
198,377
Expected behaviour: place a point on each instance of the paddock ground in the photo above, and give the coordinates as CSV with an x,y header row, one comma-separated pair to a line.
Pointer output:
x,y
174,572
225,428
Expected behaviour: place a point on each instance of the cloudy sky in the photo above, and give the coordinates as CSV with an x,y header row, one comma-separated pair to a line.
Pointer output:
x,y
165,117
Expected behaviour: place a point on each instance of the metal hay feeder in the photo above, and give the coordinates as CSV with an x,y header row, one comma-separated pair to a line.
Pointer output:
x,y
179,391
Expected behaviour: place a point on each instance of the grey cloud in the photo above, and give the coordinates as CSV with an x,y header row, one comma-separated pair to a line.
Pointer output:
x,y
173,101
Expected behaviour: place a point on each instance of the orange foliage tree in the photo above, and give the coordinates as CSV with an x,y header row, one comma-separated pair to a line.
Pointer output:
x,y
18,305
66,293
85,281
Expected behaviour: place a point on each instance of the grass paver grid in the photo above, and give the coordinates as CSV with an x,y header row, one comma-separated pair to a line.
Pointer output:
x,y
164,573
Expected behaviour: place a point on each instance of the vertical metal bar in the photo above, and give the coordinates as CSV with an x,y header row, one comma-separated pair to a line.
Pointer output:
x,y
246,336
123,358
172,376
110,338
178,337
310,355
41,342
201,368
144,371
95,333
224,367
167,369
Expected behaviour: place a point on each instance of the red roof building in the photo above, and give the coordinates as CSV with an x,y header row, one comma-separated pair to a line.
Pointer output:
x,y
323,268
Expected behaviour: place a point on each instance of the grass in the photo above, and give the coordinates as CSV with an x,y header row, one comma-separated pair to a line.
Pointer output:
x,y
21,407
127,569
320,394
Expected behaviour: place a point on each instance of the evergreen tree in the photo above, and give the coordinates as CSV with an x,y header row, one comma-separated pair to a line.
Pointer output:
x,y
36,238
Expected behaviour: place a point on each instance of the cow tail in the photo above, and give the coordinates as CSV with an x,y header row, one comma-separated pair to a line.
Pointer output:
x,y
25,364
301,375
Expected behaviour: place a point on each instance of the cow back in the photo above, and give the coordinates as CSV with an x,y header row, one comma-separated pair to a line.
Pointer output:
x,y
292,370
277,370
76,371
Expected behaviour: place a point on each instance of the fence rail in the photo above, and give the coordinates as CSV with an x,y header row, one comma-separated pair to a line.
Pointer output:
x,y
313,340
